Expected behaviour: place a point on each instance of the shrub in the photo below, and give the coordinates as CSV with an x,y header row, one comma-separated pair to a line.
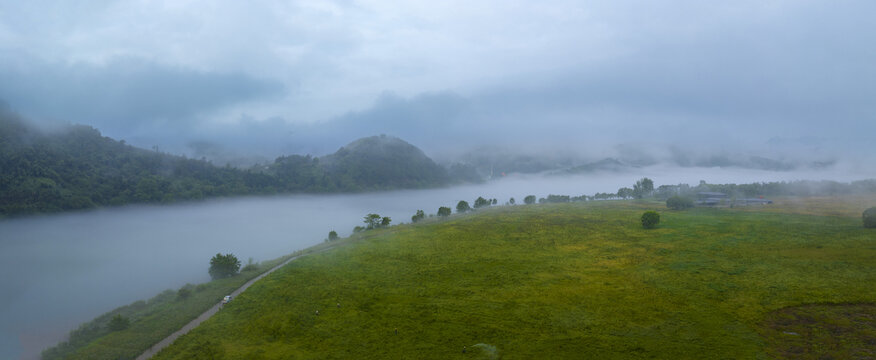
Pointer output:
x,y
462,206
529,200
870,218
679,203
443,211
333,235
650,219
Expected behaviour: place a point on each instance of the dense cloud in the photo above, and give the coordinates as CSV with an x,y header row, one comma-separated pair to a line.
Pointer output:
x,y
126,95
276,78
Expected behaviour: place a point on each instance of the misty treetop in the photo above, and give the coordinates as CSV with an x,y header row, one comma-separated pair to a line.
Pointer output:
x,y
420,215
462,206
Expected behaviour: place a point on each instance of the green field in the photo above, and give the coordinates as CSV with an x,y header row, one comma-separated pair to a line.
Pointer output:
x,y
579,280
150,321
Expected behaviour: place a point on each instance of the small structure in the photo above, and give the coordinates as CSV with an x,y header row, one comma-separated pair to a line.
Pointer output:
x,y
708,198
226,299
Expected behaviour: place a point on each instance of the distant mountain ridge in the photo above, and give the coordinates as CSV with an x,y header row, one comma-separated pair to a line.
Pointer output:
x,y
78,168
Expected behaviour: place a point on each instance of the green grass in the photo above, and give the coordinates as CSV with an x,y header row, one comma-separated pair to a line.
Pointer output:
x,y
151,321
552,281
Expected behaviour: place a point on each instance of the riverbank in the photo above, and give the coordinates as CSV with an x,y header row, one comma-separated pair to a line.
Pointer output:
x,y
152,320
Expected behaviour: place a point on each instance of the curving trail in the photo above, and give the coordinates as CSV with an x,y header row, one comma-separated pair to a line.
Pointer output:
x,y
213,310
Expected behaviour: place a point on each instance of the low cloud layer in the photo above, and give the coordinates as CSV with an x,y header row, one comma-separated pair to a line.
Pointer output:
x,y
126,95
778,78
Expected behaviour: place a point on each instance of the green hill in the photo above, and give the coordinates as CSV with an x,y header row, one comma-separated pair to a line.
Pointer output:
x,y
579,280
75,167
378,162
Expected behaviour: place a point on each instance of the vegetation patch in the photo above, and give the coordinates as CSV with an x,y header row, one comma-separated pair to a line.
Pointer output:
x,y
127,331
570,280
822,331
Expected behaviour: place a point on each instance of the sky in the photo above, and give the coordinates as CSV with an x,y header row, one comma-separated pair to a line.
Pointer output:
x,y
265,78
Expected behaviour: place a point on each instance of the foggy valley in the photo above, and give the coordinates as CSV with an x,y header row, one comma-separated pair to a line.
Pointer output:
x,y
140,139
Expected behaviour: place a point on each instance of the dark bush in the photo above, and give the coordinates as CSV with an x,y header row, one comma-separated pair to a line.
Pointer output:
x,y
462,206
223,266
870,218
650,219
443,211
679,203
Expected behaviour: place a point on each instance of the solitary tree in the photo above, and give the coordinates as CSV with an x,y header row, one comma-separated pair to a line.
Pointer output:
x,y
333,235
624,193
511,201
870,218
223,266
529,200
443,211
650,219
420,215
462,206
384,222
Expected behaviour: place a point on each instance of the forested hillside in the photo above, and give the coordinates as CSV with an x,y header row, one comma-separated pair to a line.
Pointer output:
x,y
78,168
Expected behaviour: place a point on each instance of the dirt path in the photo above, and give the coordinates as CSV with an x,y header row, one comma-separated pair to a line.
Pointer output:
x,y
213,310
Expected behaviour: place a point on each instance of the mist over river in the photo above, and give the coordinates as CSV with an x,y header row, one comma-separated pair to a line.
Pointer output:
x,y
57,271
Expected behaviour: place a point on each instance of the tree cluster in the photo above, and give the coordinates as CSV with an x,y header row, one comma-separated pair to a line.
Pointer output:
x,y
375,221
552,199
679,202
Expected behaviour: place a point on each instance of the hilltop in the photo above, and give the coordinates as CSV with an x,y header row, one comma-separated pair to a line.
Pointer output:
x,y
568,281
384,161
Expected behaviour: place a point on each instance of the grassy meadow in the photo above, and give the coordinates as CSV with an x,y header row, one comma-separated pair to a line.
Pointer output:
x,y
149,321
577,280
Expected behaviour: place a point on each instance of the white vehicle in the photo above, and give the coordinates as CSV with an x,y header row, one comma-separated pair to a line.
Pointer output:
x,y
226,299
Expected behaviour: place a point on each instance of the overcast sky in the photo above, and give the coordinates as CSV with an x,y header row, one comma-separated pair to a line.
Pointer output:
x,y
273,77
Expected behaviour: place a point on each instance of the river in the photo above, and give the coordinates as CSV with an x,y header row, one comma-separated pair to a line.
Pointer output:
x,y
57,271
